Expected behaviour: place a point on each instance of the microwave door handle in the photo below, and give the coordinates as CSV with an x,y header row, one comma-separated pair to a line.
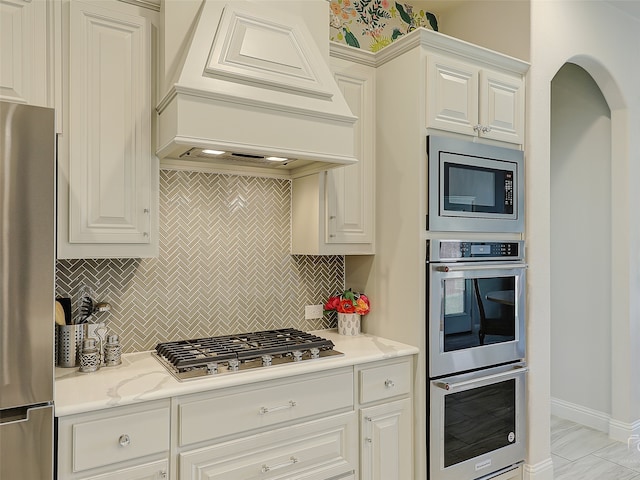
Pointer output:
x,y
450,387
484,266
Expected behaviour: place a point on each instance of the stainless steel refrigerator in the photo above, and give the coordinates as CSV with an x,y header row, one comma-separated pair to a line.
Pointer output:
x,y
27,271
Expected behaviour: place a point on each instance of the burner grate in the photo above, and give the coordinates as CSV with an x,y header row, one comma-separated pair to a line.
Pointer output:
x,y
184,356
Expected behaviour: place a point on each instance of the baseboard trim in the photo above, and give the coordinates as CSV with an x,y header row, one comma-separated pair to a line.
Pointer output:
x,y
617,430
539,471
622,431
579,414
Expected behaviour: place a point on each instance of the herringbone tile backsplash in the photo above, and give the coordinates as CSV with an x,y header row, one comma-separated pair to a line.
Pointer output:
x,y
223,267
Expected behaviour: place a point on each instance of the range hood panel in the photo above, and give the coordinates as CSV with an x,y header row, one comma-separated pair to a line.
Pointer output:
x,y
254,82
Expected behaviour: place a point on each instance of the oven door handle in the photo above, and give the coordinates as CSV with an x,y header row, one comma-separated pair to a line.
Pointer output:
x,y
450,387
484,266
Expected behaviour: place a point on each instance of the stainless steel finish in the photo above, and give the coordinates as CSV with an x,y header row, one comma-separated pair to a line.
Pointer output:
x,y
449,362
484,379
459,267
69,341
297,356
233,365
90,356
495,460
26,437
112,351
27,262
267,360
480,155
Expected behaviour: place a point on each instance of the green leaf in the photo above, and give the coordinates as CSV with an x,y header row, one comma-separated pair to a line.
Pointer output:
x,y
350,38
433,21
403,15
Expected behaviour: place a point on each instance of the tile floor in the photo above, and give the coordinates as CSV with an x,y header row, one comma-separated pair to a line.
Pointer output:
x,y
581,453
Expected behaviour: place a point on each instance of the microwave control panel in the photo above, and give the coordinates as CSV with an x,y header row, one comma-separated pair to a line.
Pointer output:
x,y
460,250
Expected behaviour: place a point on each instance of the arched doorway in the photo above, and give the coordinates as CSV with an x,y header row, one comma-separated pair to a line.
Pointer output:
x,y
581,245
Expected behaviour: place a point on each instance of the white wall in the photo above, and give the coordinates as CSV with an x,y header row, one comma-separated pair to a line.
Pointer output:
x,y
580,244
605,42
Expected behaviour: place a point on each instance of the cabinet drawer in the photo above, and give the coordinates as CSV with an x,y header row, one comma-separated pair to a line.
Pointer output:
x,y
384,381
316,450
262,405
116,438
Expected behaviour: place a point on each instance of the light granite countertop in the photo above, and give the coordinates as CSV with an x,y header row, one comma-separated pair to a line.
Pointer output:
x,y
142,378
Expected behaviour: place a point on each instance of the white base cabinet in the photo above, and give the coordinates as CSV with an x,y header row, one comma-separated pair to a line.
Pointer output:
x,y
124,443
386,421
343,423
319,450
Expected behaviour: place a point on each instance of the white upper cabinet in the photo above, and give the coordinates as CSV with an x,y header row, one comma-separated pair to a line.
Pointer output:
x,y
472,99
108,175
350,189
333,211
26,44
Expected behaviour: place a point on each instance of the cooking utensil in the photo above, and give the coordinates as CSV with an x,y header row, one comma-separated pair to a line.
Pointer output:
x,y
66,304
60,314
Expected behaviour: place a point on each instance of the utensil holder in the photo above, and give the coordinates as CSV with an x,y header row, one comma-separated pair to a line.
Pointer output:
x,y
69,343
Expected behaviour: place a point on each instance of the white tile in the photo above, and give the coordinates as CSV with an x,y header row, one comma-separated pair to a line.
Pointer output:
x,y
559,461
624,454
593,468
575,441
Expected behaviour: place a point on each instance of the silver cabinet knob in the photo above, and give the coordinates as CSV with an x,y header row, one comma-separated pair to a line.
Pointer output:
x,y
389,383
124,440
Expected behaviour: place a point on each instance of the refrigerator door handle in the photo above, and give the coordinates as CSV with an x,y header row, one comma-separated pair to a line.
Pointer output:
x,y
16,415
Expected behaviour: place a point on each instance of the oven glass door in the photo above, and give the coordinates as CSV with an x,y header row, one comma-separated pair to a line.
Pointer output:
x,y
477,422
476,315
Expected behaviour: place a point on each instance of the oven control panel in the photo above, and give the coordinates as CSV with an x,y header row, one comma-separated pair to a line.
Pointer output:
x,y
463,250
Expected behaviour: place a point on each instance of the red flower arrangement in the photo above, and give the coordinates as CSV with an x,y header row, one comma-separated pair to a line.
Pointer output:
x,y
348,302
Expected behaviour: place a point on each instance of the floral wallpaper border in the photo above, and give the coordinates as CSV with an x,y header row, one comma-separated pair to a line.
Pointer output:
x,y
374,24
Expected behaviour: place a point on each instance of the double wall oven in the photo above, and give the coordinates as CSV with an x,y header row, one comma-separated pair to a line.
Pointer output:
x,y
475,321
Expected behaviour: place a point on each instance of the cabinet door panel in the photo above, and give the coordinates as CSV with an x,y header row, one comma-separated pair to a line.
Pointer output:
x,y
387,441
452,95
110,155
150,471
316,450
349,189
502,106
25,34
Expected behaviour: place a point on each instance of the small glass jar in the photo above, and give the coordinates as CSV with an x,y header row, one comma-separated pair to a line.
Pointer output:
x,y
112,351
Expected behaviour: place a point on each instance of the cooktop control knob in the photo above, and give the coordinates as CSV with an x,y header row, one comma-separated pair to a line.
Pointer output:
x,y
233,365
315,352
297,355
266,360
212,368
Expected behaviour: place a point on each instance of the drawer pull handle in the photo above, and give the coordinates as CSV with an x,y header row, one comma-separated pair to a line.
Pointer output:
x,y
124,440
368,440
292,461
389,384
163,474
264,410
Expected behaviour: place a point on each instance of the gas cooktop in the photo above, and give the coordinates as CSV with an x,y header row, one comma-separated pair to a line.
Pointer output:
x,y
188,359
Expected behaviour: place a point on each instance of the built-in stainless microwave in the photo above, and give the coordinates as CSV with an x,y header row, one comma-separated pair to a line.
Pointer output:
x,y
474,187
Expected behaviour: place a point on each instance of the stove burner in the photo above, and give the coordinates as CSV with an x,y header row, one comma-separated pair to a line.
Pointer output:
x,y
231,353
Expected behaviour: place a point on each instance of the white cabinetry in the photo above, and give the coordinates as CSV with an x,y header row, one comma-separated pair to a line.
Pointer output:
x,y
386,446
472,99
108,175
26,47
333,211
129,443
301,427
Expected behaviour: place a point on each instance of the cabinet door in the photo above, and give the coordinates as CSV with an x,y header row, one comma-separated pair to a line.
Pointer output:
x,y
26,71
319,450
349,190
502,106
149,471
386,437
109,114
452,95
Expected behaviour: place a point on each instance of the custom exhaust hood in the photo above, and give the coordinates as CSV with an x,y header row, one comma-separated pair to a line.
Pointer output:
x,y
254,95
